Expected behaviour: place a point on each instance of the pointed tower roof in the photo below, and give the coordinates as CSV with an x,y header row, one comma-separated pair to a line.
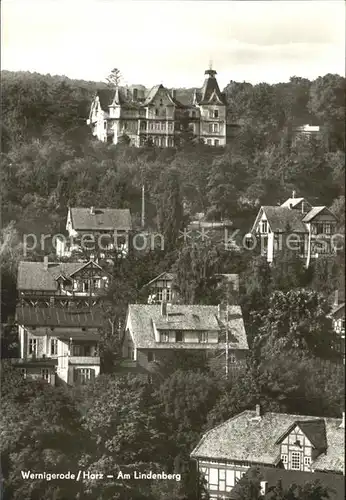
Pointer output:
x,y
210,90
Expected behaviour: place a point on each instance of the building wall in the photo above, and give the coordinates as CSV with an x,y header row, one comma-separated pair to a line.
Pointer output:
x,y
39,373
304,451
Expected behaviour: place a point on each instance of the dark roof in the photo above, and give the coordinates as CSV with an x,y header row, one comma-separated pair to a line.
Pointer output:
x,y
143,318
210,87
103,219
105,97
314,430
59,317
152,93
247,438
34,276
279,218
335,483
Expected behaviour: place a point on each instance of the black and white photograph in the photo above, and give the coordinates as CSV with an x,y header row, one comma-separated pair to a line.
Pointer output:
x,y
172,250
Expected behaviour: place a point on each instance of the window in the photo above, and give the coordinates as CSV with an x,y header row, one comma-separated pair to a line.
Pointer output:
x,y
156,112
217,142
215,127
232,359
203,337
193,114
159,294
179,336
307,461
135,94
210,128
53,347
295,460
162,142
151,357
216,113
45,374
264,226
32,346
209,142
105,125
23,372
83,375
284,459
168,294
164,337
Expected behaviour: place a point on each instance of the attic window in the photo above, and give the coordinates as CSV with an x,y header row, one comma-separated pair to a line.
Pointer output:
x,y
161,102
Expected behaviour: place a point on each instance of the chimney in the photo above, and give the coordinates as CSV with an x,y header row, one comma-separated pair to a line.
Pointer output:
x,y
342,425
302,207
293,194
92,210
336,297
258,410
45,262
173,94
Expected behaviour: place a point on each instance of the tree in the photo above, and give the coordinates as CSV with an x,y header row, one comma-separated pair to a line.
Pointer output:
x,y
311,490
249,487
114,78
298,319
41,431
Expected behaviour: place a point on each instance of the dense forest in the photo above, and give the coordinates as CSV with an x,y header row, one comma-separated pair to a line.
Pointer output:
x,y
50,161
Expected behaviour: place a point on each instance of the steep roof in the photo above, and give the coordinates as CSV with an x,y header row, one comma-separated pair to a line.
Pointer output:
x,y
143,317
280,218
105,97
211,88
316,211
33,276
59,317
106,219
314,430
246,438
152,93
335,483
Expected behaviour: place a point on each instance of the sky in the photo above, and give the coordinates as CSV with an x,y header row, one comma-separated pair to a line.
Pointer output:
x,y
173,42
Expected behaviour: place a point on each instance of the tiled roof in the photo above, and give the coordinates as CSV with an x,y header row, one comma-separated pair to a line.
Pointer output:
x,y
292,202
59,317
314,212
106,219
142,318
33,276
335,483
280,218
245,438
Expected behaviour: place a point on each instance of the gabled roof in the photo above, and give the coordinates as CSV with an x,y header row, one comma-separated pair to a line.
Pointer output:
x,y
246,438
106,219
33,276
314,430
162,277
292,202
338,309
317,211
280,218
143,317
59,317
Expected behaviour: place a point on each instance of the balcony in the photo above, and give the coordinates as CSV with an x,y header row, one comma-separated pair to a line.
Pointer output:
x,y
84,360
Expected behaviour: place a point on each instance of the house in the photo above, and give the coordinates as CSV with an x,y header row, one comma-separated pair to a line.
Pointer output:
x,y
338,316
155,331
43,284
270,477
297,226
59,344
273,440
161,288
95,231
160,116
